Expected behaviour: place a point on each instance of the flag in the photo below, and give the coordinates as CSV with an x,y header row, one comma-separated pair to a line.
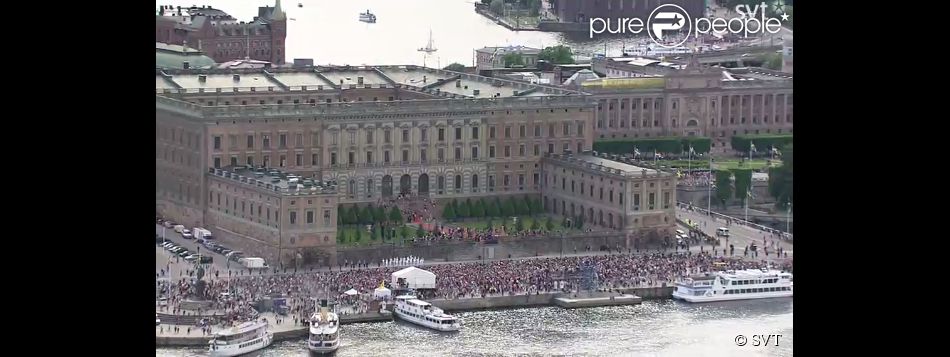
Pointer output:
x,y
636,152
752,147
749,193
691,151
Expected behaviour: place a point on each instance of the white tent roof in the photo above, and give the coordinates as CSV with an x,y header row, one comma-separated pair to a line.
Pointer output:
x,y
413,272
351,292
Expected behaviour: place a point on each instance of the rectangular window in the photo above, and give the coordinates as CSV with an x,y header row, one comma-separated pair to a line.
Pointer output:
x,y
580,129
520,179
283,141
424,133
232,142
441,154
666,200
309,217
266,139
422,155
386,156
369,136
636,201
405,156
405,135
506,181
326,218
521,131
491,181
299,141
491,132
491,152
507,132
551,148
521,150
537,149
250,141
369,157
551,130
293,217
233,160
313,159
458,154
352,136
474,153
351,158
537,131
475,133
217,162
332,158
458,133
217,143
537,179
299,159
283,160
566,130
250,161
507,151
387,136
441,134
652,200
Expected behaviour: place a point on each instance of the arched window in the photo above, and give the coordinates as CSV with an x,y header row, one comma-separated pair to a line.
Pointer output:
x,y
351,188
474,182
369,187
458,182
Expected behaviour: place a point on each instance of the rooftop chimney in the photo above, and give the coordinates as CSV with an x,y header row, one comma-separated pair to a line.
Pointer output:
x,y
237,77
185,65
202,78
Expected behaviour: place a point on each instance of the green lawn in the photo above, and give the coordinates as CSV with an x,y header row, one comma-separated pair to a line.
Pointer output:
x,y
497,222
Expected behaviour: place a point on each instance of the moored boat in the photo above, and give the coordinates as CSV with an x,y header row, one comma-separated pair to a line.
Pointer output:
x,y
244,338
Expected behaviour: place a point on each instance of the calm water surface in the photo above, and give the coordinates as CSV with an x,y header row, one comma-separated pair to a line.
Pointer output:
x,y
664,328
330,32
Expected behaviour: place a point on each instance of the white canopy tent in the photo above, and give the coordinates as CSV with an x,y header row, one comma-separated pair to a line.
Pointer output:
x,y
416,278
382,292
351,292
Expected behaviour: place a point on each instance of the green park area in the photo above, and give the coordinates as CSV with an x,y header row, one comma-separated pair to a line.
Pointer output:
x,y
545,223
719,164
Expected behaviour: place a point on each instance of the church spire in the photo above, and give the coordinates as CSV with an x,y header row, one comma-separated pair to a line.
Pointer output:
x,y
278,13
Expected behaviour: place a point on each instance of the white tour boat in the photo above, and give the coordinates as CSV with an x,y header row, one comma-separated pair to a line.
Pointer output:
x,y
424,314
735,285
324,331
244,338
368,17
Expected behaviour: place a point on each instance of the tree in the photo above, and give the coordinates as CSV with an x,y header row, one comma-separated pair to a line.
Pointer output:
x,y
395,216
743,182
358,236
404,232
448,213
478,209
420,232
497,6
534,7
559,54
489,225
377,233
340,237
548,224
455,66
366,217
492,209
379,215
519,225
508,209
535,206
773,61
522,207
780,180
340,212
535,224
723,186
352,216
513,59
464,210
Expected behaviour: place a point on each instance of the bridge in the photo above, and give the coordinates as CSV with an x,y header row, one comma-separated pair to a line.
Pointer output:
x,y
732,55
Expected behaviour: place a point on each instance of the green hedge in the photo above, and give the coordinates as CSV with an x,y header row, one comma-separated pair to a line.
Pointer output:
x,y
762,142
676,145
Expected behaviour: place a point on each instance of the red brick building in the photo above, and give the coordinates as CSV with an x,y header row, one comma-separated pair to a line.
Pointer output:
x,y
221,36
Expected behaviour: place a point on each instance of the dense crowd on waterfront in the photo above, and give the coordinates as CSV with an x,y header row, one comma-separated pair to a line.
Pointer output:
x,y
454,280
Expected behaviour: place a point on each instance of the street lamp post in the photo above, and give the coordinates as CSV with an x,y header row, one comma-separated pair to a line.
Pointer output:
x,y
788,217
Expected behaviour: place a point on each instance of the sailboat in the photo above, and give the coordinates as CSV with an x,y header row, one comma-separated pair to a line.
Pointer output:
x,y
428,48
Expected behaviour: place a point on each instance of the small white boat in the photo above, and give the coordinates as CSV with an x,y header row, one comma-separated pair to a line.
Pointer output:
x,y
735,285
244,338
424,314
368,17
428,48
324,331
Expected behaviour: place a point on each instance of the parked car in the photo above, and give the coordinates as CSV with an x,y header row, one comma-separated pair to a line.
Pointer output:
x,y
168,224
191,258
206,260
225,252
236,257
187,236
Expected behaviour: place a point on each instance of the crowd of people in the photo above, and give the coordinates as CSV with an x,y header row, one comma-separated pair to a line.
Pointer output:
x,y
695,179
454,280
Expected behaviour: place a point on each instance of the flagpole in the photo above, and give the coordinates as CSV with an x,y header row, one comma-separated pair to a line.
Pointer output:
x,y
747,193
689,161
709,186
788,217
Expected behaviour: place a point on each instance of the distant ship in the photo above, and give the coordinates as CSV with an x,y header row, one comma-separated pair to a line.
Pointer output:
x,y
428,48
368,17
324,330
422,313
